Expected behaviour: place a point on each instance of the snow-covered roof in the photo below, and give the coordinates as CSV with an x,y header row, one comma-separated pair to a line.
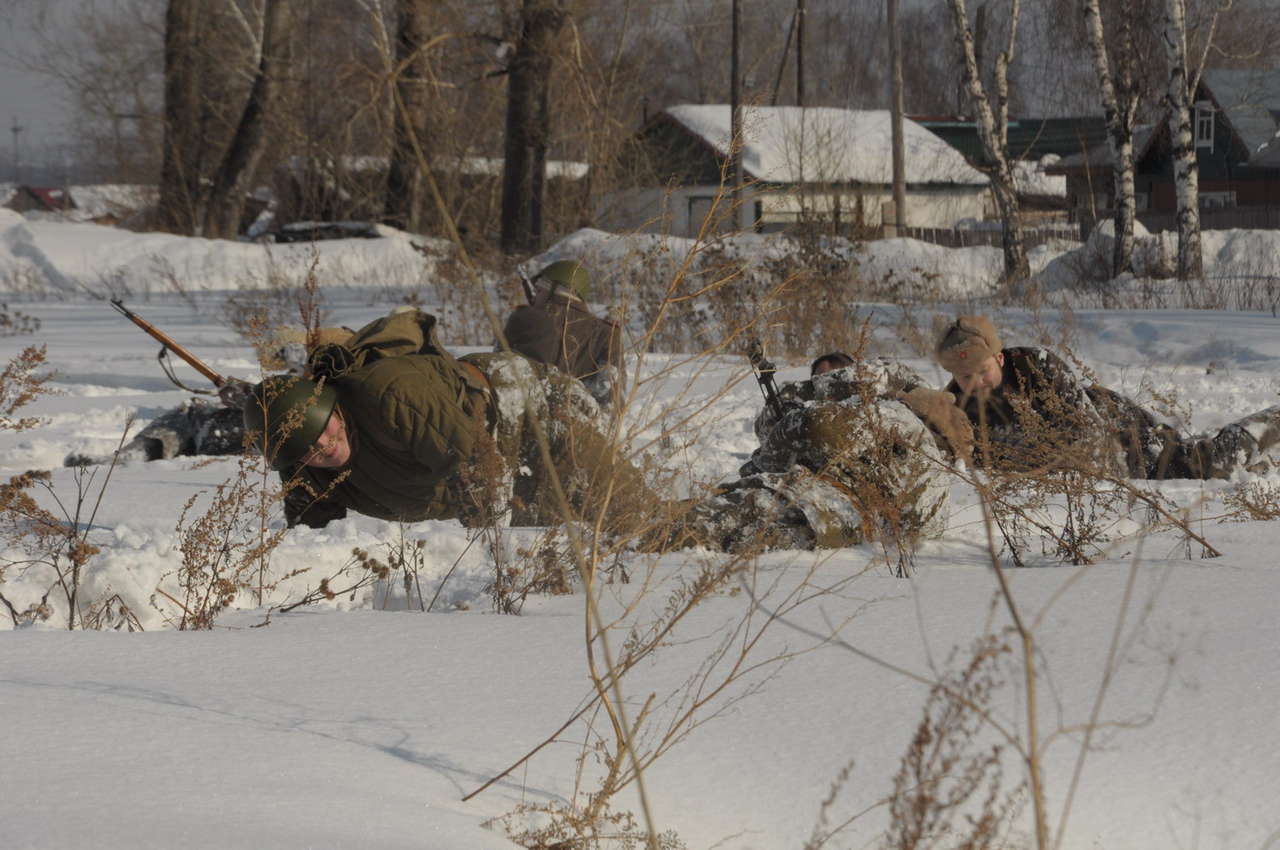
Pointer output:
x,y
1268,156
1250,100
112,199
1099,156
791,144
1031,178
466,165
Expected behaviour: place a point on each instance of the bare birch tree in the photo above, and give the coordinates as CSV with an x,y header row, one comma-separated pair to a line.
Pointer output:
x,y
1186,175
1118,87
992,114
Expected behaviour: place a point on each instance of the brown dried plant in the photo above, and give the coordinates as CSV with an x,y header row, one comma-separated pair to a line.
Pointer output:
x,y
225,550
16,322
20,385
1252,501
53,546
949,790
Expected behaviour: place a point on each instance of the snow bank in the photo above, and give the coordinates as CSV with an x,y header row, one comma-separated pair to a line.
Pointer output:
x,y
1238,265
57,259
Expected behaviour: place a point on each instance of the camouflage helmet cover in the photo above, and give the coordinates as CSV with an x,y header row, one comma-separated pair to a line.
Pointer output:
x,y
569,274
286,415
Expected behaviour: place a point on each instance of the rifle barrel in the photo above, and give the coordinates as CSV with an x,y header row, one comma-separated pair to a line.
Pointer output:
x,y
169,343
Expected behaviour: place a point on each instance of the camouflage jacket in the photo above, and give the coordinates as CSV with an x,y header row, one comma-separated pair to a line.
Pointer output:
x,y
849,457
1040,416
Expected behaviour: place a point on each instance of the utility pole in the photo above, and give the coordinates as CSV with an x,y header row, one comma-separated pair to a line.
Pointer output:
x,y
799,52
735,123
895,120
17,168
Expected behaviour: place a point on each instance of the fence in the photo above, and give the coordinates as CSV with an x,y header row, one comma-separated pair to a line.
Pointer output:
x,y
964,238
1228,218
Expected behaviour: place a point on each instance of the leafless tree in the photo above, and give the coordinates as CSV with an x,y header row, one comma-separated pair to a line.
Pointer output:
x,y
238,167
180,208
406,190
1186,174
528,125
1118,82
992,113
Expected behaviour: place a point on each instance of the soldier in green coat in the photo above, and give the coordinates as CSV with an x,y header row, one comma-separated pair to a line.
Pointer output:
x,y
391,425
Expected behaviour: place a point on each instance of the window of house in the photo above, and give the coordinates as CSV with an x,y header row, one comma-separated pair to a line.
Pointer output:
x,y
1204,125
1217,200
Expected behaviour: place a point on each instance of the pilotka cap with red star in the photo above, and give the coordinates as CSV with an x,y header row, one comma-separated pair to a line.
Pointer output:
x,y
967,342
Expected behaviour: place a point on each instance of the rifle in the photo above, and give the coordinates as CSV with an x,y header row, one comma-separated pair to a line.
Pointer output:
x,y
764,371
169,345
525,283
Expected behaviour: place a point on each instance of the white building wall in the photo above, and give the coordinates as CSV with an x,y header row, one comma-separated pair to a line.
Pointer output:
x,y
682,210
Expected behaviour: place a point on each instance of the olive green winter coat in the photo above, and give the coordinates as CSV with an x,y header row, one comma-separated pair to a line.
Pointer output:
x,y
411,421
433,437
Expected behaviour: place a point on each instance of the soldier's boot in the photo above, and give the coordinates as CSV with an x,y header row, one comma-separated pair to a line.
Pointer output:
x,y
1251,443
1264,428
740,518
127,455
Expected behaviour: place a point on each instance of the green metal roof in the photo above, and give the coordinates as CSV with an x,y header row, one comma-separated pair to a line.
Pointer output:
x,y
1029,138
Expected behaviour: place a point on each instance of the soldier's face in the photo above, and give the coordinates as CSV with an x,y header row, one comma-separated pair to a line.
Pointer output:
x,y
332,448
984,377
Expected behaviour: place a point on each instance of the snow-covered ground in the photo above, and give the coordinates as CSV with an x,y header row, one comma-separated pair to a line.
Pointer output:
x,y
363,721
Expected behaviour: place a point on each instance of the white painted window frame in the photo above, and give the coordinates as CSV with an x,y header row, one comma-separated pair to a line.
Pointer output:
x,y
1204,125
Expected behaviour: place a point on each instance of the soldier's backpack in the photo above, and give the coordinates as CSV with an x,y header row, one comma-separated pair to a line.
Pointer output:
x,y
404,331
558,329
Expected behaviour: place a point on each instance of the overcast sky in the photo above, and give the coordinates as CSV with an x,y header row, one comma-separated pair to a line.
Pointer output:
x,y
37,104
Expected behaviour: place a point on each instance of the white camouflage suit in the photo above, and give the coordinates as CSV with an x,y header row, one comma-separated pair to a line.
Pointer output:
x,y
845,464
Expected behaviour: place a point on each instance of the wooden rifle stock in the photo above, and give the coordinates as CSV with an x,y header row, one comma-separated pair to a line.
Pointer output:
x,y
168,342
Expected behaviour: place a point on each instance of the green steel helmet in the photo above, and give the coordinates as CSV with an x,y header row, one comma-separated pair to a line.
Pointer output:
x,y
286,415
569,274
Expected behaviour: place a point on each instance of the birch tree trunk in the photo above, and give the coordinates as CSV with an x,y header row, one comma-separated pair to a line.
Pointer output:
x,y
239,163
1186,175
993,125
1119,104
528,125
180,208
406,184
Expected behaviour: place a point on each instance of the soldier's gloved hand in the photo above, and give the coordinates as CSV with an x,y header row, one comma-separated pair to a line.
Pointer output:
x,y
938,410
234,393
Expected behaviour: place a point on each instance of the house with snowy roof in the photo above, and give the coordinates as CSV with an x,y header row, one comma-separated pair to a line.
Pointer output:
x,y
39,199
1235,122
798,164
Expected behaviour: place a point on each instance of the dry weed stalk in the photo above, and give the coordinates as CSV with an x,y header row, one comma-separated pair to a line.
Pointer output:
x,y
225,551
16,322
259,313
949,788
46,541
20,385
57,543
1255,500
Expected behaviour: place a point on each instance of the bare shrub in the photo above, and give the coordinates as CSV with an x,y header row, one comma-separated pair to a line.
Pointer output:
x,y
16,322
563,827
56,549
19,386
258,312
226,551
949,788
544,567
1254,501
53,547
